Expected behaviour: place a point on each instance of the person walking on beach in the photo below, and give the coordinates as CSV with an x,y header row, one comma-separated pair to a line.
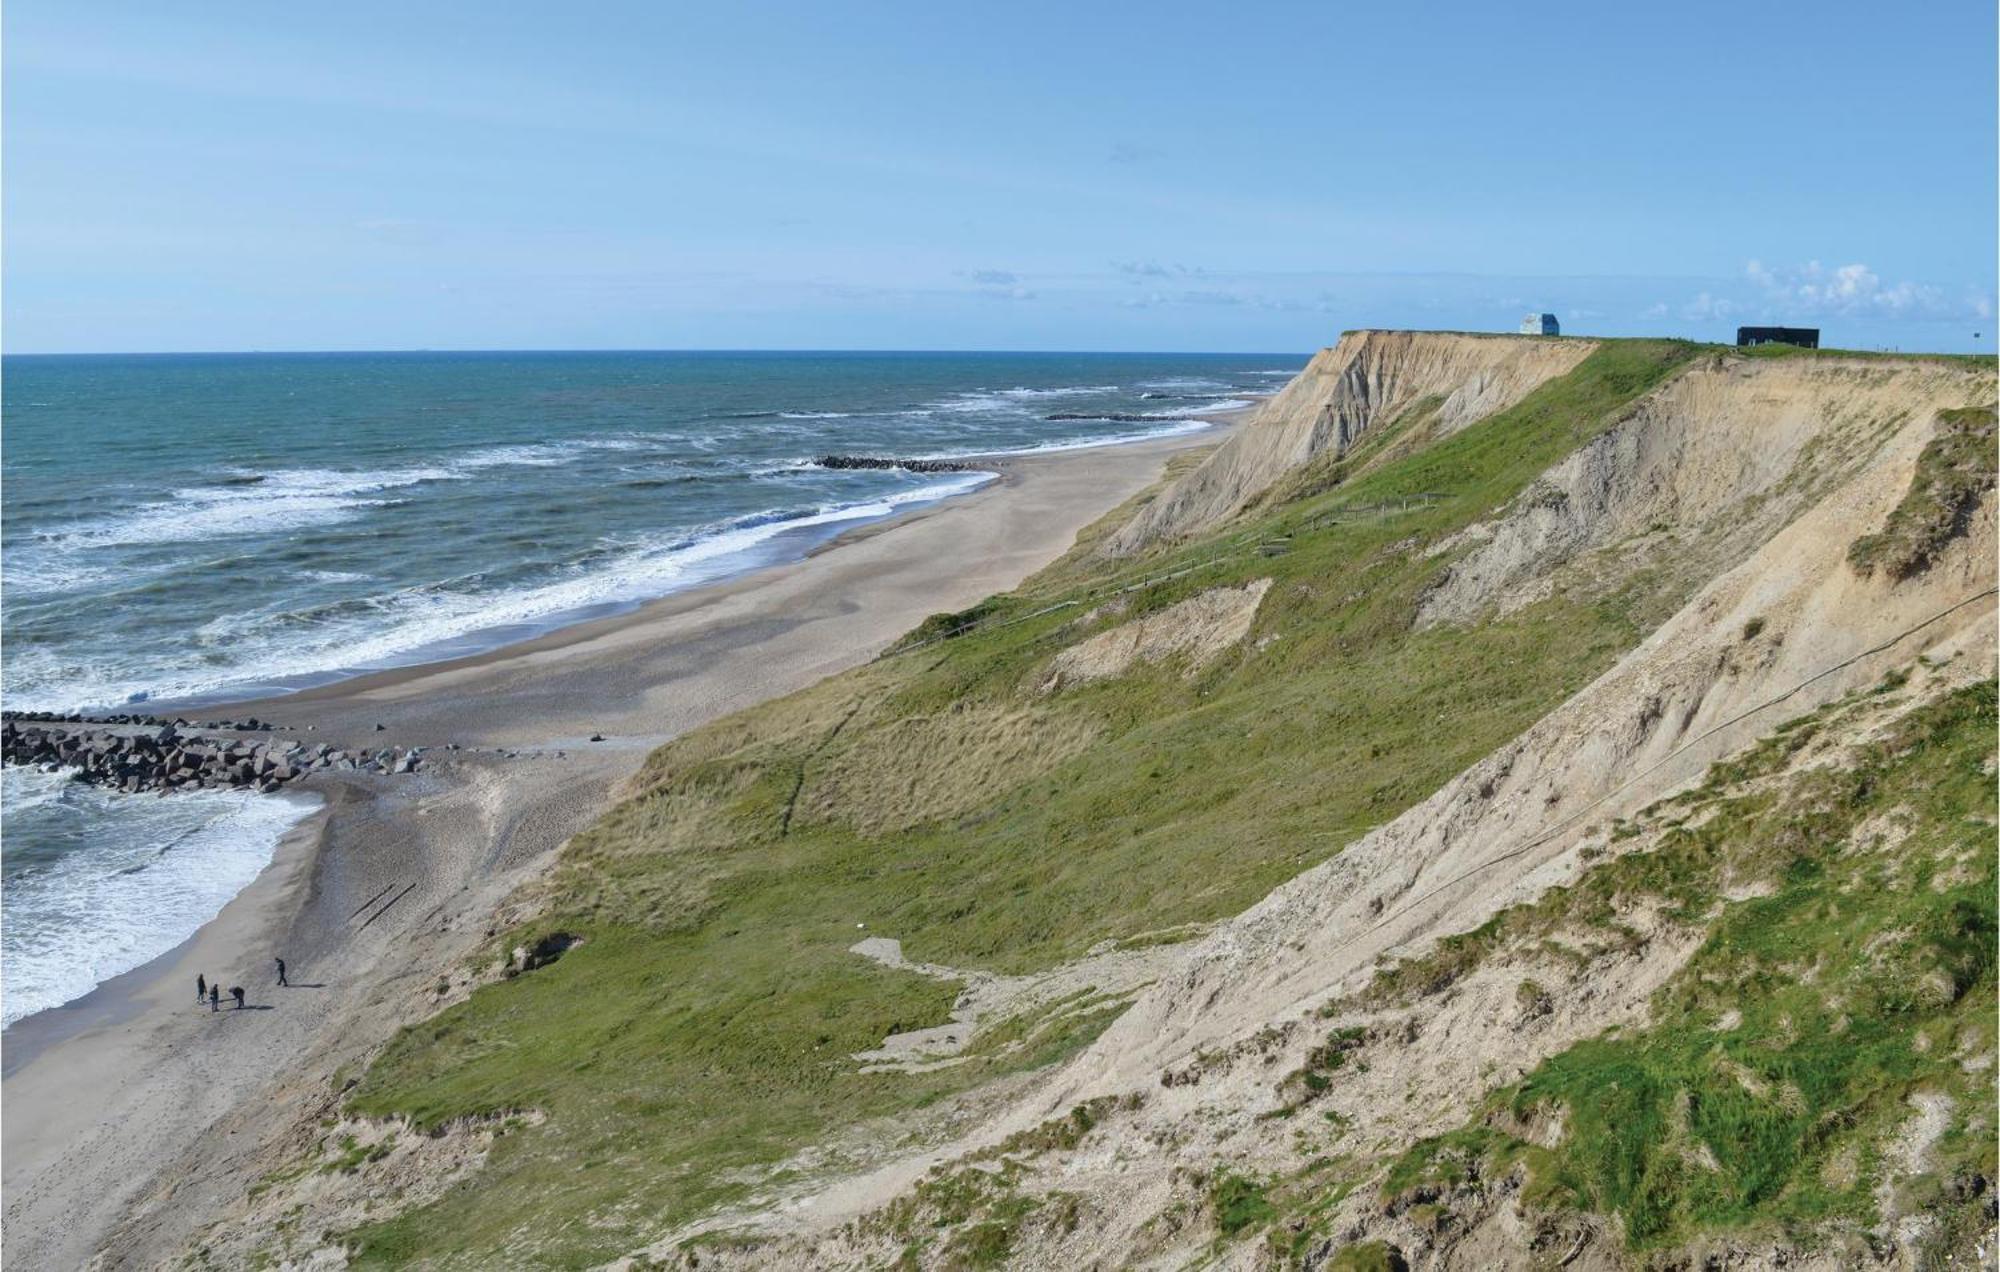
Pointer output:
x,y
215,998
200,988
281,972
236,992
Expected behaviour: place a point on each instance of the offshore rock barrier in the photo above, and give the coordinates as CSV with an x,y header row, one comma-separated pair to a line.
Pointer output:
x,y
1121,417
252,725
907,465
164,758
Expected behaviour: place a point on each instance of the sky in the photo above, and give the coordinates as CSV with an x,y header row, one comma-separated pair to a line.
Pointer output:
x,y
1145,176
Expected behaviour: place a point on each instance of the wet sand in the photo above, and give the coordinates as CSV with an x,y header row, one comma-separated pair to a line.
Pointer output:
x,y
134,1118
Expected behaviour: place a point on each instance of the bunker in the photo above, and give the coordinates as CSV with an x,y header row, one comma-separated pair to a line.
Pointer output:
x,y
1803,337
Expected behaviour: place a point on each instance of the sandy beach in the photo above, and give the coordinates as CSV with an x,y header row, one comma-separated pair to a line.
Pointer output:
x,y
135,1117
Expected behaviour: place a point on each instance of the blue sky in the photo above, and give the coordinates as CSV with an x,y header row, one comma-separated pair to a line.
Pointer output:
x,y
1007,176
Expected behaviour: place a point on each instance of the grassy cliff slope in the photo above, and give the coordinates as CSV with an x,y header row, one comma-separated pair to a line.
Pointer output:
x,y
704,1027
682,1026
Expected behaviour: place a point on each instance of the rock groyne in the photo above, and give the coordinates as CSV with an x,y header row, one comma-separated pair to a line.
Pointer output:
x,y
907,465
251,725
165,757
1116,417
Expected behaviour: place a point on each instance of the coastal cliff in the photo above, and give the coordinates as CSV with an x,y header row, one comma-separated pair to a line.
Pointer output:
x,y
1429,383
1517,802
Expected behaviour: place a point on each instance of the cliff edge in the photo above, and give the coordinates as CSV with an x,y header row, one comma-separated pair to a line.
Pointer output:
x,y
1370,383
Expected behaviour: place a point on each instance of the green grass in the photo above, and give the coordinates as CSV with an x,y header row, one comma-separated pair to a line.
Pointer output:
x,y
354,1155
1781,1057
1774,351
1327,470
1314,1077
703,1029
1294,1212
1955,469
1369,1256
1238,1202
1063,1134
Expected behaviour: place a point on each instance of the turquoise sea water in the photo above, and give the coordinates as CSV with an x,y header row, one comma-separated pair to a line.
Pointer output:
x,y
225,526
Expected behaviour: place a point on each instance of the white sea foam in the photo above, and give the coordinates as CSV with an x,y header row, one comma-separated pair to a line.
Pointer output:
x,y
31,569
1202,409
1015,400
26,789
541,454
275,639
296,498
1175,423
1181,426
140,875
216,514
1069,390
1196,382
396,628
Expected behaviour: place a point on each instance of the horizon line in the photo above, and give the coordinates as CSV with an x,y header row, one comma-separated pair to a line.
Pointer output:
x,y
423,349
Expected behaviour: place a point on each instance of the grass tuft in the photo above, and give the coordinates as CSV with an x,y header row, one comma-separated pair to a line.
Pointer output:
x,y
1955,470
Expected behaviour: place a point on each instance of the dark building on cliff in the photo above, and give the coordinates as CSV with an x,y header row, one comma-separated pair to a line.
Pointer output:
x,y
1803,337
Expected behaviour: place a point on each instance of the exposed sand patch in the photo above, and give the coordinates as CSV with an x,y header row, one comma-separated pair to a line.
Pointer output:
x,y
1908,1152
1108,975
1199,629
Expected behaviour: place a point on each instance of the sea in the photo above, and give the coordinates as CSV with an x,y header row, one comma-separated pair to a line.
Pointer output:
x,y
198,529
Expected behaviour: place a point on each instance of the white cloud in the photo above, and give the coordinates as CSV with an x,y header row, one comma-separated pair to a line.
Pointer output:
x,y
1708,308
1815,292
1813,289
1154,269
995,277
1206,297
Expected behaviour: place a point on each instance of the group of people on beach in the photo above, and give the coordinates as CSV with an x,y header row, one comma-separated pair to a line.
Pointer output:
x,y
212,993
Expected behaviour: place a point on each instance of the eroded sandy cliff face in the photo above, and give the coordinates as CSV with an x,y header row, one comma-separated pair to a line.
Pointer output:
x,y
1265,1055
1753,815
1700,474
1369,380
1789,630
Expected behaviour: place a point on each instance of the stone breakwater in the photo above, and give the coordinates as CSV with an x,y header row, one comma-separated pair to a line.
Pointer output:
x,y
907,465
252,725
126,758
1120,417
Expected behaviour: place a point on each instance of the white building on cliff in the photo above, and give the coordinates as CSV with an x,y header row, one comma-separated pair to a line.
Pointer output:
x,y
1540,325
